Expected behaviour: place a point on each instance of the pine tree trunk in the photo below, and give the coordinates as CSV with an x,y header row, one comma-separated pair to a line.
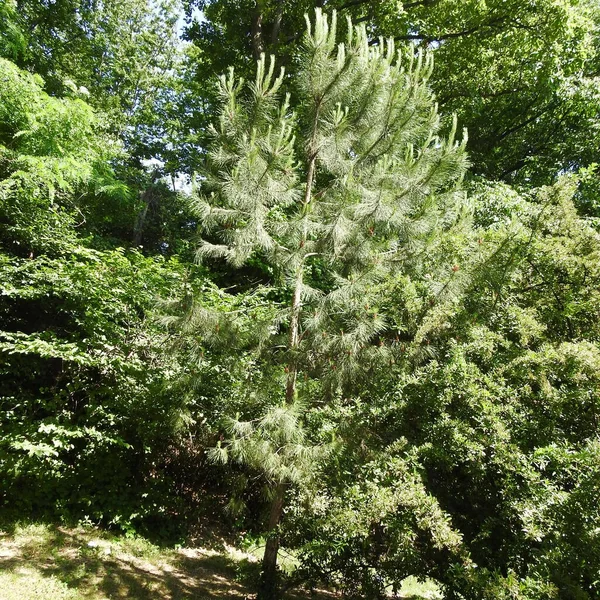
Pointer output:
x,y
268,586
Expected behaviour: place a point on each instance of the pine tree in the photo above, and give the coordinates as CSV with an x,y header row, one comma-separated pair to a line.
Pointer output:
x,y
336,187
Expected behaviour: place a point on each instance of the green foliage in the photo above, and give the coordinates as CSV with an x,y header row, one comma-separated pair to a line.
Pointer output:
x,y
81,406
505,389
12,40
122,49
369,532
406,375
73,321
50,150
520,75
122,58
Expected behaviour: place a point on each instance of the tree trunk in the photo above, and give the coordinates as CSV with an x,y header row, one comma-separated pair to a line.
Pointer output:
x,y
148,198
258,45
276,26
268,584
138,227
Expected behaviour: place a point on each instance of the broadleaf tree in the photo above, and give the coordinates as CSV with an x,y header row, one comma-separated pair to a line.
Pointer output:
x,y
331,187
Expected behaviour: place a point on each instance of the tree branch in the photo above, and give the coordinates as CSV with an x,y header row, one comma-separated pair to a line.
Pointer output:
x,y
453,34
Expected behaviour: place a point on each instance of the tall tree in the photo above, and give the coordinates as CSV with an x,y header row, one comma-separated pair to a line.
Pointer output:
x,y
331,198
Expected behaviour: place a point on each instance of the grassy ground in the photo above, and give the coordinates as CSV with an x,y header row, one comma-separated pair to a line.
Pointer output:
x,y
43,562
420,590
49,562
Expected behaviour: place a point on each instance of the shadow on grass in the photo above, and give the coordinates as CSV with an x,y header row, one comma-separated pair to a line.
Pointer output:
x,y
106,571
61,563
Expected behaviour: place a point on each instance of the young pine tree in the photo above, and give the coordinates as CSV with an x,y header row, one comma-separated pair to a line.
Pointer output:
x,y
335,187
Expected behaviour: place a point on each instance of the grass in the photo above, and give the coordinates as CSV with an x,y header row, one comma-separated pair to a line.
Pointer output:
x,y
58,563
37,586
51,562
426,590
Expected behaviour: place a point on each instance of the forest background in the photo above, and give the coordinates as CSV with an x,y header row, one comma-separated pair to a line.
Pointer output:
x,y
145,378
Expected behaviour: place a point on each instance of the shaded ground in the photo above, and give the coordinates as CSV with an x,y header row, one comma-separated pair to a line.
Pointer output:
x,y
44,562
